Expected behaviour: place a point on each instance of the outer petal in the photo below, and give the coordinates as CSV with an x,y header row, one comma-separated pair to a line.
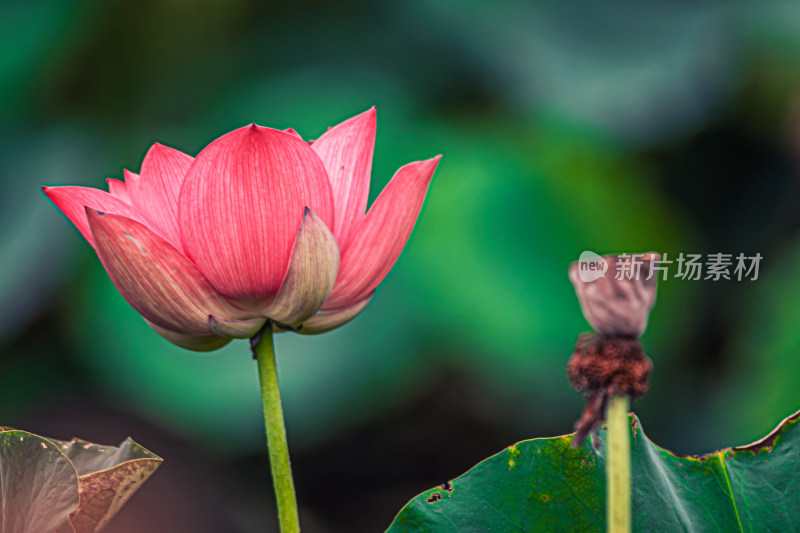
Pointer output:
x,y
377,242
346,150
154,192
155,278
617,306
322,322
73,202
238,329
198,343
239,205
310,275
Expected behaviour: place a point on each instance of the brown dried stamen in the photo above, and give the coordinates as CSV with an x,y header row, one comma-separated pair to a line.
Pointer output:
x,y
602,366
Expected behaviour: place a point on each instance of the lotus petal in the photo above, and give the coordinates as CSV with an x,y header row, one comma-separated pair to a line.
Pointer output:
x,y
155,278
312,271
326,321
239,205
380,238
238,329
72,201
197,343
154,192
346,149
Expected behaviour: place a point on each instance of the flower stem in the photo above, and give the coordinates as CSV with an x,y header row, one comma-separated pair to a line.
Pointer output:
x,y
264,352
618,467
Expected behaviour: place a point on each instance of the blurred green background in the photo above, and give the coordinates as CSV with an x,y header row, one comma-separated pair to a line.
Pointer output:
x,y
630,126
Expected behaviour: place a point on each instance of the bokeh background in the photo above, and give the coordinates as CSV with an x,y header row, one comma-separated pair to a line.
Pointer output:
x,y
626,126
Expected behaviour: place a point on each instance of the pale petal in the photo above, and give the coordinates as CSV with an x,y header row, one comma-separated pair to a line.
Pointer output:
x,y
198,343
617,306
154,192
311,274
378,241
282,328
346,149
323,322
239,206
155,278
238,329
72,201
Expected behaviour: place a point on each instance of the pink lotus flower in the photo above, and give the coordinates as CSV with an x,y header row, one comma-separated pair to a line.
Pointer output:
x,y
259,226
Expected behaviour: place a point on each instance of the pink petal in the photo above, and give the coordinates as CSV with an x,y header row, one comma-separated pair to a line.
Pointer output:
x,y
155,278
73,202
239,209
346,150
154,192
198,343
290,131
323,322
310,275
378,241
118,189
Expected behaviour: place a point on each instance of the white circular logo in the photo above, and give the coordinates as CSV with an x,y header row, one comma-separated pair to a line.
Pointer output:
x,y
591,266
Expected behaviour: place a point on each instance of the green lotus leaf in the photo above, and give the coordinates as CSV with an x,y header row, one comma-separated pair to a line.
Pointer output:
x,y
546,485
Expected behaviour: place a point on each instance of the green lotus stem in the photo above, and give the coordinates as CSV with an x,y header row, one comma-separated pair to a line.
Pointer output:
x,y
618,467
264,352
